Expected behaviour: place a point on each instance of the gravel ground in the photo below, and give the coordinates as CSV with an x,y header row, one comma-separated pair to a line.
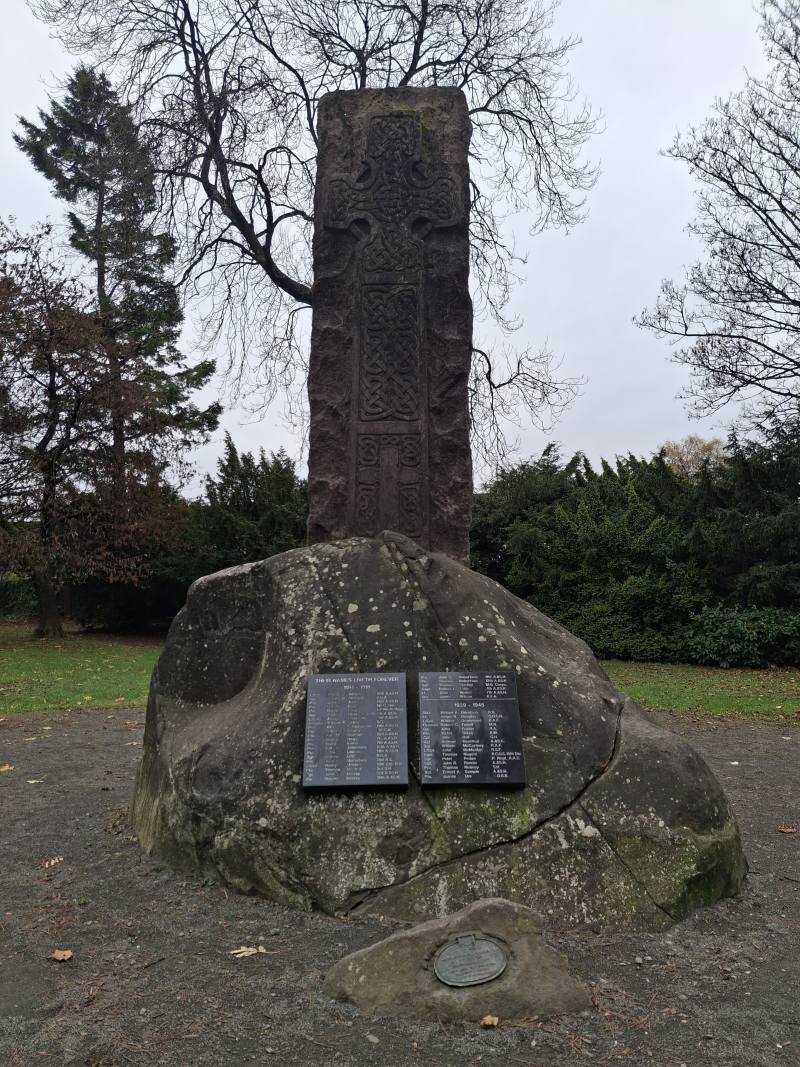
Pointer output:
x,y
152,982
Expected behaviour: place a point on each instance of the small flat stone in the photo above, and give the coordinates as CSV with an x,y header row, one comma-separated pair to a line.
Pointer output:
x,y
396,977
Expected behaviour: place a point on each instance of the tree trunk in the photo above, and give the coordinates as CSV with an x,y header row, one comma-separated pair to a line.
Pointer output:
x,y
117,432
116,397
46,591
49,613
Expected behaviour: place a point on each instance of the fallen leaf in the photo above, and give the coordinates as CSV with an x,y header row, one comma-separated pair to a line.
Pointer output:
x,y
787,829
61,955
243,951
6,767
488,1021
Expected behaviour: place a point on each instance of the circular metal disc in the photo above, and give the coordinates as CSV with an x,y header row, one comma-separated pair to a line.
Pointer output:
x,y
469,959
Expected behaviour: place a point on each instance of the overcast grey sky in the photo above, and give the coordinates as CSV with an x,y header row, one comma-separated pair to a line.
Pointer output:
x,y
652,67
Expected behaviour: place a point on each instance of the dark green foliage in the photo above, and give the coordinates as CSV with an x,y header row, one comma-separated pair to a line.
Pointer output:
x,y
254,507
17,597
124,608
647,563
752,637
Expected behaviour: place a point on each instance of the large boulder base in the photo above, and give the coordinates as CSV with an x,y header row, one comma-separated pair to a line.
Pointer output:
x,y
621,822
395,977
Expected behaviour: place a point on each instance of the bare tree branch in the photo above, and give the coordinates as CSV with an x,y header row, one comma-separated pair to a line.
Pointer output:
x,y
736,320
229,89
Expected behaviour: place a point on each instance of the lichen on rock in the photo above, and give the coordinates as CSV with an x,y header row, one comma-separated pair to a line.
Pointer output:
x,y
620,823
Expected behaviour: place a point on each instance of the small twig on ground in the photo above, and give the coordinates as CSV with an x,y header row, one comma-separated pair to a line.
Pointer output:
x,y
314,1041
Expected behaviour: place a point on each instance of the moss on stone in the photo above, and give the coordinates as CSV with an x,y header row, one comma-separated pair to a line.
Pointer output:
x,y
682,870
219,786
474,817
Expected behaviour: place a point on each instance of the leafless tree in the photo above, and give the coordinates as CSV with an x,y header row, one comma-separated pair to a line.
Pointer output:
x,y
228,90
506,385
736,318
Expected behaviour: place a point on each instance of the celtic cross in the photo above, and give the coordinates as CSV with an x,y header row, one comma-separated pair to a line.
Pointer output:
x,y
390,207
374,226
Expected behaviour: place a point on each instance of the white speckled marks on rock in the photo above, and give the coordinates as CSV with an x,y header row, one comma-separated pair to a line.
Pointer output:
x,y
620,822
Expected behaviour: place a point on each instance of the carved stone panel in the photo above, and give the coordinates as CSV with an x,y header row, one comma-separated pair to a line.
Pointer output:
x,y
389,385
391,333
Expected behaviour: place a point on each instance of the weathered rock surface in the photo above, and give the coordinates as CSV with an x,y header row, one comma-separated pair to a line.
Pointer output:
x,y
391,335
621,822
396,977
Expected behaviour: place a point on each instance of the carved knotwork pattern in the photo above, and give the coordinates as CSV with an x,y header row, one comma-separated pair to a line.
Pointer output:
x,y
368,510
389,378
400,195
410,510
392,139
367,515
393,248
396,186
407,445
376,454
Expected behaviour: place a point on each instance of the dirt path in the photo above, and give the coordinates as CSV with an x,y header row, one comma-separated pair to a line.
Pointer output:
x,y
152,980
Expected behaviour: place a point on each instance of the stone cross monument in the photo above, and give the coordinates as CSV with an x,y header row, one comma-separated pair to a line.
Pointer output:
x,y
392,319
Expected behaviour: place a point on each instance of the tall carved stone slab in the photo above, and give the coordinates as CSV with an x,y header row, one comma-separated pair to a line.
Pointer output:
x,y
392,319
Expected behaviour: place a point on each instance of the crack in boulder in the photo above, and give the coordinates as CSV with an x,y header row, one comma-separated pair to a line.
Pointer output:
x,y
516,839
539,845
348,637
636,878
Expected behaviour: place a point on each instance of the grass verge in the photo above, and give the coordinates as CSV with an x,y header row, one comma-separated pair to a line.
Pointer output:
x,y
76,671
89,671
758,696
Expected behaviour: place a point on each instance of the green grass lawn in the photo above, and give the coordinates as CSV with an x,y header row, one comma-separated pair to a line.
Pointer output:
x,y
765,696
88,671
76,671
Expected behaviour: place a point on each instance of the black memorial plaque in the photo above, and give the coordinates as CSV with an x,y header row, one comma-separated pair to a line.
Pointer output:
x,y
356,733
470,731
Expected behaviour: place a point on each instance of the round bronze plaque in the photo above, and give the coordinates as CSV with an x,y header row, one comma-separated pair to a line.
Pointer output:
x,y
469,959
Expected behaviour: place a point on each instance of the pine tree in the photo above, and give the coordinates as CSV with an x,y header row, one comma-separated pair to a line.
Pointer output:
x,y
88,146
256,506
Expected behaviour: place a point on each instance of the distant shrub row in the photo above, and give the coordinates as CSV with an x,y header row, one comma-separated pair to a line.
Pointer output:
x,y
719,637
655,560
644,560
